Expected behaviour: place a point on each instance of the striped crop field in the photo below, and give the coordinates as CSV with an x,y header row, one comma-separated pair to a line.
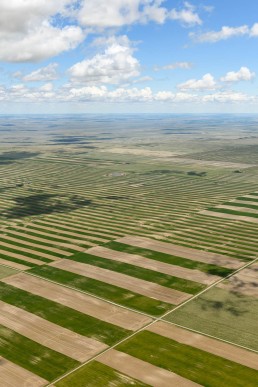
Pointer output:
x,y
128,257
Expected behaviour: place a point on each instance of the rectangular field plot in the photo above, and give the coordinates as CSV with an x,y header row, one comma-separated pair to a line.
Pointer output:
x,y
188,362
34,357
185,252
183,267
140,261
145,288
62,315
84,303
205,343
59,339
100,259
96,374
104,290
13,375
144,371
222,313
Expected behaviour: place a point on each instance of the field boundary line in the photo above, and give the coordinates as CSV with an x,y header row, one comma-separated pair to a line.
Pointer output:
x,y
11,267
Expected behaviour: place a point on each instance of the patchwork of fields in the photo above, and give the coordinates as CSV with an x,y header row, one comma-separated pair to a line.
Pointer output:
x,y
128,261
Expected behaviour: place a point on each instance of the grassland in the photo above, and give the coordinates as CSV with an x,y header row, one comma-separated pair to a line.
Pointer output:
x,y
221,313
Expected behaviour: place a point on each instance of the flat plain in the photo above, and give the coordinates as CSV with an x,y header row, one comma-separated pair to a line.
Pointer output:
x,y
129,251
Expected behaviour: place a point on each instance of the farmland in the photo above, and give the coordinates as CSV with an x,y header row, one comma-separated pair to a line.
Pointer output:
x,y
128,248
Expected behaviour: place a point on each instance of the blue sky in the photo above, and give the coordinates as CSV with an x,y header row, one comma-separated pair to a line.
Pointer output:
x,y
93,56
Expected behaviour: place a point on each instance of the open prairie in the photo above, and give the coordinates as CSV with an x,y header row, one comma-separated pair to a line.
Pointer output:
x,y
129,251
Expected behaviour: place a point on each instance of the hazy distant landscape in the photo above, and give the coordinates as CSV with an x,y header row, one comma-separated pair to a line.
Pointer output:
x,y
129,250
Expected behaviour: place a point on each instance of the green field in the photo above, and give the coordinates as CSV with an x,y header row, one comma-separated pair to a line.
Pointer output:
x,y
141,273
32,356
62,315
191,363
170,259
96,374
101,289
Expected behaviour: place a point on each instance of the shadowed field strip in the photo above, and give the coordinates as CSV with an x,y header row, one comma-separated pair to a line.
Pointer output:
x,y
216,347
244,282
180,251
137,260
12,375
124,281
229,216
82,302
143,371
48,334
15,265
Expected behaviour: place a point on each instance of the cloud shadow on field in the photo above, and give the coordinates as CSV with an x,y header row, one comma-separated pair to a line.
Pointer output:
x,y
10,157
236,306
44,204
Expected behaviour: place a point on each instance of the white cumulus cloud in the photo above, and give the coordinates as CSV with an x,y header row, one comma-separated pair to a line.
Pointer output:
x,y
225,33
207,82
115,65
254,30
244,74
28,32
117,13
187,15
